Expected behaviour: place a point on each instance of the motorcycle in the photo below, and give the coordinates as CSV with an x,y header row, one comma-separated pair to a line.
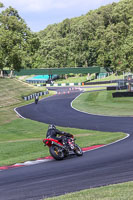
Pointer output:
x,y
36,99
59,149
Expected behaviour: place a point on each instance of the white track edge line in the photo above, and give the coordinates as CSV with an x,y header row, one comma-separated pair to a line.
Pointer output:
x,y
127,135
19,114
92,113
28,163
26,105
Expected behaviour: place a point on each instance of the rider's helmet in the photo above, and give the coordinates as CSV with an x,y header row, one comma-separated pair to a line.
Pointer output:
x,y
51,126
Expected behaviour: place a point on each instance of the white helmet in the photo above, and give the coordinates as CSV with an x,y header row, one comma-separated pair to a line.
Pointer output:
x,y
51,126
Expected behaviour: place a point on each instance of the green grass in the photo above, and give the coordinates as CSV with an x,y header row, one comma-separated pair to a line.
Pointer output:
x,y
80,79
102,103
11,92
76,79
95,88
122,191
109,78
21,140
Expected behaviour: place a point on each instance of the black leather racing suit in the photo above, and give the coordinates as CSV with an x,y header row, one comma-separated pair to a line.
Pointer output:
x,y
52,133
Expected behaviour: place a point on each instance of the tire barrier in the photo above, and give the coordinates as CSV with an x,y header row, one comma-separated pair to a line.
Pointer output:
x,y
112,88
117,88
122,94
29,97
63,84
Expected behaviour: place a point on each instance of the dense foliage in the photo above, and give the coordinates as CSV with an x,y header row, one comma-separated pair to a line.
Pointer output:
x,y
17,42
102,37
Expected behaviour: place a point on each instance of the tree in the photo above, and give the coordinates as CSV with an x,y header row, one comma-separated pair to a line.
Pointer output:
x,y
1,55
1,5
17,43
102,37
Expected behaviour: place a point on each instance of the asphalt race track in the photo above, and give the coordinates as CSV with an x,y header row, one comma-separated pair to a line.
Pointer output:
x,y
107,165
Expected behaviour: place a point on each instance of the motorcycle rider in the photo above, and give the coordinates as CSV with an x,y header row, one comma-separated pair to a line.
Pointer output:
x,y
36,99
53,132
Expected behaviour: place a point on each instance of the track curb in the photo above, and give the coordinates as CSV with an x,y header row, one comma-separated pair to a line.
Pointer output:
x,y
45,159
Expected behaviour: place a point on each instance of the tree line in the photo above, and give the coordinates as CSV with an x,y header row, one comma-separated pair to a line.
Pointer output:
x,y
102,37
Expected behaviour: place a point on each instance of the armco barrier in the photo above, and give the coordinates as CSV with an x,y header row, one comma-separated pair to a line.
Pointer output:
x,y
100,82
26,98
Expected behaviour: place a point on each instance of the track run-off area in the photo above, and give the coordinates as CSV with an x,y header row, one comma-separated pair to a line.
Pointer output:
x,y
103,166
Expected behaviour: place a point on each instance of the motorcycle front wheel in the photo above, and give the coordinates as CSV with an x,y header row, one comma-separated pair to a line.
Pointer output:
x,y
56,152
78,151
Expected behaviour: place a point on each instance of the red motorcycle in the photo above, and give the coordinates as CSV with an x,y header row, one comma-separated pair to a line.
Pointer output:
x,y
60,150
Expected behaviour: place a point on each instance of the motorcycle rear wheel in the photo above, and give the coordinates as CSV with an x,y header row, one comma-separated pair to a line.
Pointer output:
x,y
36,101
56,152
78,151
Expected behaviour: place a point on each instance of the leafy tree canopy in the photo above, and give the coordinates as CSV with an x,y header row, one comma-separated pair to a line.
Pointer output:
x,y
101,37
17,43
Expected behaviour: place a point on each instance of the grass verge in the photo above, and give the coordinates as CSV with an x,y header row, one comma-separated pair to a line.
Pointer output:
x,y
122,191
21,140
11,91
79,79
102,103
75,79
